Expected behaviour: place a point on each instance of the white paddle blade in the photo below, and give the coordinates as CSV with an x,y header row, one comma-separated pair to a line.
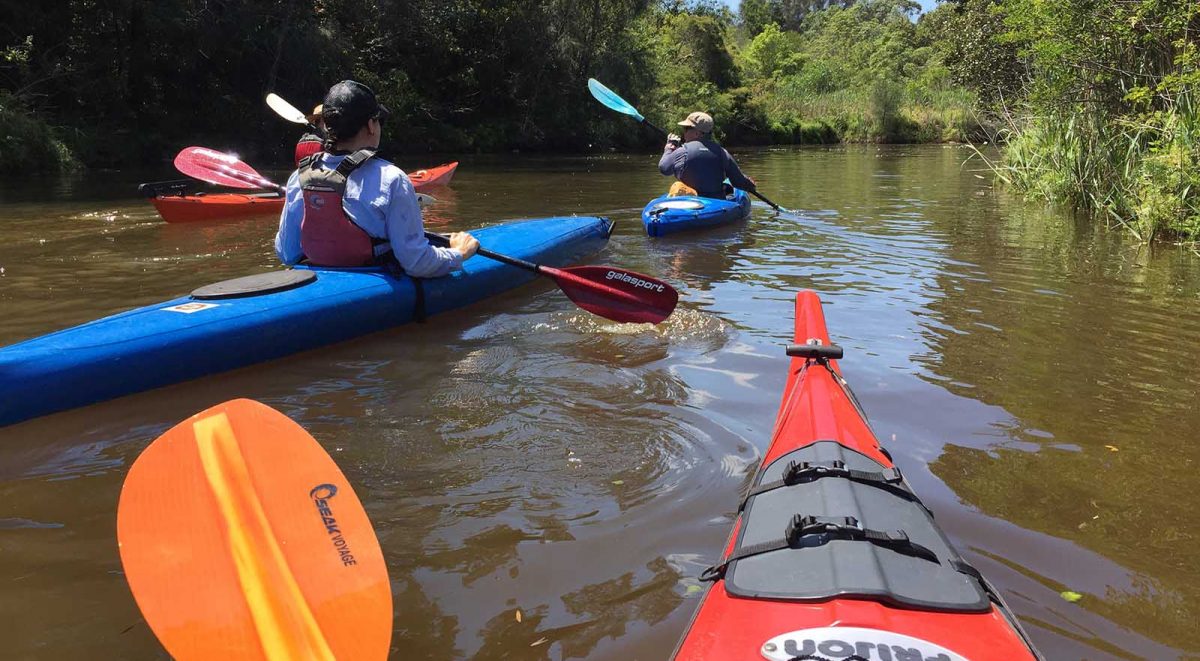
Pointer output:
x,y
285,109
425,200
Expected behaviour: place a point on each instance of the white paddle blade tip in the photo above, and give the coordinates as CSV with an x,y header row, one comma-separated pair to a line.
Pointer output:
x,y
285,109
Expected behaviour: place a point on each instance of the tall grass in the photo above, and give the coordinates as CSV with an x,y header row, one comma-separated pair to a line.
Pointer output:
x,y
885,112
1141,172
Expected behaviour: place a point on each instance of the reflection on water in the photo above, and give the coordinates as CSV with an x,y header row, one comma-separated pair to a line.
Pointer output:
x,y
1034,376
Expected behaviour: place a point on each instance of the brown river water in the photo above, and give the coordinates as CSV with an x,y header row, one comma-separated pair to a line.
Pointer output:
x,y
1034,375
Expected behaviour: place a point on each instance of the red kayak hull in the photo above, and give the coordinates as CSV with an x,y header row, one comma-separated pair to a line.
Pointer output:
x,y
224,206
438,175
216,206
815,408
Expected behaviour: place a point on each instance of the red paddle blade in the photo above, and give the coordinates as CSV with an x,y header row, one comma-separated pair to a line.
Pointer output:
x,y
615,293
219,168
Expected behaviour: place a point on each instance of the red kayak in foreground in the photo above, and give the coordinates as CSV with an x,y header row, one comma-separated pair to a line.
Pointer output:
x,y
175,207
832,557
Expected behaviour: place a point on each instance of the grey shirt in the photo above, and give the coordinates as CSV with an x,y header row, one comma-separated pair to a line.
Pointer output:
x,y
704,165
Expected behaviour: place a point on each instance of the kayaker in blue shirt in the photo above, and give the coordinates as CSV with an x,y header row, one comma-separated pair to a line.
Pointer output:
x,y
699,162
346,207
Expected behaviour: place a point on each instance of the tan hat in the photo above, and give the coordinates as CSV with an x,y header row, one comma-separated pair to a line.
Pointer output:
x,y
701,121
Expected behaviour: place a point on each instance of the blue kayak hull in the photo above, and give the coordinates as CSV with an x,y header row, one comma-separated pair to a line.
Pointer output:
x,y
688,212
186,338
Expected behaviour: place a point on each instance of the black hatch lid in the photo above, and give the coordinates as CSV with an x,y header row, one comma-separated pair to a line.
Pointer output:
x,y
254,285
842,489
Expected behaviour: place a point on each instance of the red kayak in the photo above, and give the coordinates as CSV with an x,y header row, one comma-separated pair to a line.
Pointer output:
x,y
438,175
832,556
176,207
216,206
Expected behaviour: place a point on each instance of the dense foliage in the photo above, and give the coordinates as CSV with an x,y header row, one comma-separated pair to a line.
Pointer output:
x,y
124,81
1094,99
1110,121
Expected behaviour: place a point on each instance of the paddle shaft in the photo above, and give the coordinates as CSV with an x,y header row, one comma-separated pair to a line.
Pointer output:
x,y
443,240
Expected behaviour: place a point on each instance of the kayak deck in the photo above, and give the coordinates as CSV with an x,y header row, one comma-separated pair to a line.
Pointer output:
x,y
189,337
670,214
832,554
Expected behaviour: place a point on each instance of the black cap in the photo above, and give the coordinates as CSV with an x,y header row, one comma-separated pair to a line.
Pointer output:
x,y
348,106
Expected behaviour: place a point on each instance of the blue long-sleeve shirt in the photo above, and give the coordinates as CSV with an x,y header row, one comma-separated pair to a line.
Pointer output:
x,y
704,165
380,199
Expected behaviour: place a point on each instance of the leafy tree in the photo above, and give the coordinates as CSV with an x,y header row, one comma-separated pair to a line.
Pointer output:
x,y
968,36
754,16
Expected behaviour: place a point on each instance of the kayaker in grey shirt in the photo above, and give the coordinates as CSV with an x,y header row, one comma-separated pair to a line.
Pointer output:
x,y
698,161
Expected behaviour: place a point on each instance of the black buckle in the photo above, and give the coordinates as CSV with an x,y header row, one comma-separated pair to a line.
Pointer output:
x,y
804,471
814,349
808,524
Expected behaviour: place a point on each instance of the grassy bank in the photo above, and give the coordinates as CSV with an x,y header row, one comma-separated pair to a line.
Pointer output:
x,y
1140,173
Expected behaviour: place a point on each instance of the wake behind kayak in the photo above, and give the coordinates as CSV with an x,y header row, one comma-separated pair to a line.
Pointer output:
x,y
242,322
832,555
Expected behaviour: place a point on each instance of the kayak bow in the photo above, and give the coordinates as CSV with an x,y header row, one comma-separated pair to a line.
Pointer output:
x,y
832,556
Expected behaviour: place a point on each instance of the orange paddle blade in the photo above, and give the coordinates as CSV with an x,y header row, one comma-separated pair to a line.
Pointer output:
x,y
241,539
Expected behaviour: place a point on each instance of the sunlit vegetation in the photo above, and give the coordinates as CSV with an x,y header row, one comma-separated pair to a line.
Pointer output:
x,y
1095,102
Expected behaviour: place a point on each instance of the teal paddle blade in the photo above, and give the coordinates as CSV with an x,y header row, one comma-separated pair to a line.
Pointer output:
x,y
610,99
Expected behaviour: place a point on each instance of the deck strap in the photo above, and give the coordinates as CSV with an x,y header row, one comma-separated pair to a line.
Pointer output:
x,y
806,530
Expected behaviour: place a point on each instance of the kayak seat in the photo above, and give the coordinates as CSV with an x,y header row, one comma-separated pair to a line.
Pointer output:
x,y
255,285
825,521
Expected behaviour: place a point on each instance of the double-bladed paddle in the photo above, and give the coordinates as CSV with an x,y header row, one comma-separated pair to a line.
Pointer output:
x,y
613,101
608,291
233,553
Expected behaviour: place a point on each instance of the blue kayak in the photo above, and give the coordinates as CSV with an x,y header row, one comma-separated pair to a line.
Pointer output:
x,y
666,214
249,320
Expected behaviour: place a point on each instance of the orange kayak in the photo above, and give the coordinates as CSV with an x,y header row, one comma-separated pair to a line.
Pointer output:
x,y
175,208
216,206
438,175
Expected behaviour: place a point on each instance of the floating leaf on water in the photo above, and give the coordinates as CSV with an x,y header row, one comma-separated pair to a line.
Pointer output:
x,y
518,614
539,641
693,589
618,482
1070,596
1113,448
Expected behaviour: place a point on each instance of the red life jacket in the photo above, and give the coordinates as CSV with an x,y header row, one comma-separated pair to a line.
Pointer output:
x,y
328,235
310,143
